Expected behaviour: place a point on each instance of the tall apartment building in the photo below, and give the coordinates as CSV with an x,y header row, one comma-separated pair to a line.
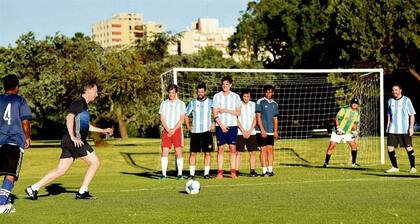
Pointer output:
x,y
202,33
123,29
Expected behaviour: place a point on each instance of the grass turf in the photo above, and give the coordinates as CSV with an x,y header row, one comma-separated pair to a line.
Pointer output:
x,y
128,191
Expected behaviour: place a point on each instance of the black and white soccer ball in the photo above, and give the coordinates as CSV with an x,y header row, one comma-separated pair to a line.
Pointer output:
x,y
192,187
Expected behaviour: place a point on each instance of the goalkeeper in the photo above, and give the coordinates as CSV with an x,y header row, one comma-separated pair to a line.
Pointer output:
x,y
346,129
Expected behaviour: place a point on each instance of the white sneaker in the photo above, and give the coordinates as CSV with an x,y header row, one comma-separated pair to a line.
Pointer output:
x,y
392,170
7,208
413,170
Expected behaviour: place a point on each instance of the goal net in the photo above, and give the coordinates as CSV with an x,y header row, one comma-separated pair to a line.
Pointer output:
x,y
308,100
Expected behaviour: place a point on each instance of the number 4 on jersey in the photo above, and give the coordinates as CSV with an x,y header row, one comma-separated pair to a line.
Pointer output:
x,y
7,114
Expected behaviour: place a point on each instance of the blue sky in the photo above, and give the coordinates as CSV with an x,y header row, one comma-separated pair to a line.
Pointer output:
x,y
46,17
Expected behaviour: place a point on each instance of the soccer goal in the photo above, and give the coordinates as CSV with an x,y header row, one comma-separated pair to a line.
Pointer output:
x,y
309,100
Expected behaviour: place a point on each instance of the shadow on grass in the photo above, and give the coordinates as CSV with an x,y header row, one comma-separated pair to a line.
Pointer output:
x,y
333,167
393,175
55,189
129,158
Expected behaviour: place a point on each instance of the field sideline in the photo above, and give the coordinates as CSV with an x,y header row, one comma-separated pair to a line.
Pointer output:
x,y
128,191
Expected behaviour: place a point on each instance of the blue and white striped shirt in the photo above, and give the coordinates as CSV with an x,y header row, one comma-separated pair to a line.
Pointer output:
x,y
230,102
247,116
399,112
202,111
172,111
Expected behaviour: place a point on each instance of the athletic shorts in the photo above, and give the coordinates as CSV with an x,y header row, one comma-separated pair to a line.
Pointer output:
x,y
201,142
250,143
69,151
344,137
265,141
403,140
10,160
174,140
228,137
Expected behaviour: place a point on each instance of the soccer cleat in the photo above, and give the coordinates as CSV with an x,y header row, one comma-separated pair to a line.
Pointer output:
x,y
270,174
179,177
191,177
355,165
413,170
32,194
393,170
162,177
253,173
325,165
7,208
207,176
85,196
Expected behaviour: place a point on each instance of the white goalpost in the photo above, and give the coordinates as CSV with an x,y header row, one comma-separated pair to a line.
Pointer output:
x,y
309,100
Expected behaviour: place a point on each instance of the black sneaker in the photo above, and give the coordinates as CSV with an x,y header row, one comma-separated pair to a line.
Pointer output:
x,y
85,196
191,177
179,177
32,194
325,165
253,173
207,176
270,174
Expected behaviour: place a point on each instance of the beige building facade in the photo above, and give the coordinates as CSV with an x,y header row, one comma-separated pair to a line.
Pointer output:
x,y
123,29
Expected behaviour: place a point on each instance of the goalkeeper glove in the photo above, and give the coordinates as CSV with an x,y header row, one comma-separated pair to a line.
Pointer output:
x,y
355,133
339,131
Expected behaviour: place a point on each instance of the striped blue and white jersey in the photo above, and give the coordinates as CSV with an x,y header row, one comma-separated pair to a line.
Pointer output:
x,y
230,102
399,112
247,116
172,111
201,110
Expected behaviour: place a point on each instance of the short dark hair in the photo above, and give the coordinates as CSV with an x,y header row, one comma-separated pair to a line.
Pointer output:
x,y
89,84
171,87
202,86
396,84
245,91
10,82
226,78
268,87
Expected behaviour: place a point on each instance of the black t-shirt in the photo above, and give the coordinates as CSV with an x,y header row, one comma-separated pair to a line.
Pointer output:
x,y
79,108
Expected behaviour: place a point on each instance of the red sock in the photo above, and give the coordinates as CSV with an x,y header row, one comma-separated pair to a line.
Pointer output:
x,y
232,171
220,172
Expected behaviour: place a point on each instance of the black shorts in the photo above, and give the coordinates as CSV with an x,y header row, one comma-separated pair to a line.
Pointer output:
x,y
10,160
403,140
250,143
201,142
69,151
265,141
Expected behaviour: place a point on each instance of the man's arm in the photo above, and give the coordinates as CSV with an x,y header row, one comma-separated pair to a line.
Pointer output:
x,y
218,120
187,123
108,131
26,125
276,127
411,128
163,122
70,129
261,126
235,112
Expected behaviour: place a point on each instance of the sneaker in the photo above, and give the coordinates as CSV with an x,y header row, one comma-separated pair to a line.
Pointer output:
x,y
270,174
191,177
32,194
264,174
207,176
325,165
253,173
85,195
355,165
162,177
7,208
413,170
219,176
179,177
392,170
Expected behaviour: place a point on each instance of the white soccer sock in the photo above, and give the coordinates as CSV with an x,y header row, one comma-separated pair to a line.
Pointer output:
x,y
206,170
164,164
179,164
270,169
264,170
192,170
35,187
83,190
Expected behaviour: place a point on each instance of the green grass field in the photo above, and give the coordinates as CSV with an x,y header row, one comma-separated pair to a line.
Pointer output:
x,y
128,191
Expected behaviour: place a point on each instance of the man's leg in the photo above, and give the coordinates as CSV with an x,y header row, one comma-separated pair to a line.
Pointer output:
x,y
270,158
6,189
353,147
220,151
328,154
63,166
393,158
232,157
412,159
93,164
193,156
207,159
164,161
179,161
237,160
263,159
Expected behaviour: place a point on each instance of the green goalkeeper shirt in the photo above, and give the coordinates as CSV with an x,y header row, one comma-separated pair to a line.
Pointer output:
x,y
347,119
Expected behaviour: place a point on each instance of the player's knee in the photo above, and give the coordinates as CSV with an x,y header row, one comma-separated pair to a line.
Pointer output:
x,y
391,148
409,149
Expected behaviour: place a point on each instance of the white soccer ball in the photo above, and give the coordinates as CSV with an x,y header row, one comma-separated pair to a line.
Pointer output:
x,y
192,187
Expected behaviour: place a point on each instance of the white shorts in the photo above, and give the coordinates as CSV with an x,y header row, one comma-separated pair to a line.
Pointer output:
x,y
345,138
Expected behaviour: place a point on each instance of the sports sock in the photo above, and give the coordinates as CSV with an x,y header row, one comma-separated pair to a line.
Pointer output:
x,y
233,171
35,187
393,158
327,158
179,165
206,170
5,190
164,163
412,158
83,189
353,156
192,170
264,170
219,172
270,169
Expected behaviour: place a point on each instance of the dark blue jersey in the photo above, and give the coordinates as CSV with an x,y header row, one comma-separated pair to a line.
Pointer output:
x,y
13,110
79,108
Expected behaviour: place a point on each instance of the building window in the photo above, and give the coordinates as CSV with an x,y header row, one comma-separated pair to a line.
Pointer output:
x,y
116,33
116,25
